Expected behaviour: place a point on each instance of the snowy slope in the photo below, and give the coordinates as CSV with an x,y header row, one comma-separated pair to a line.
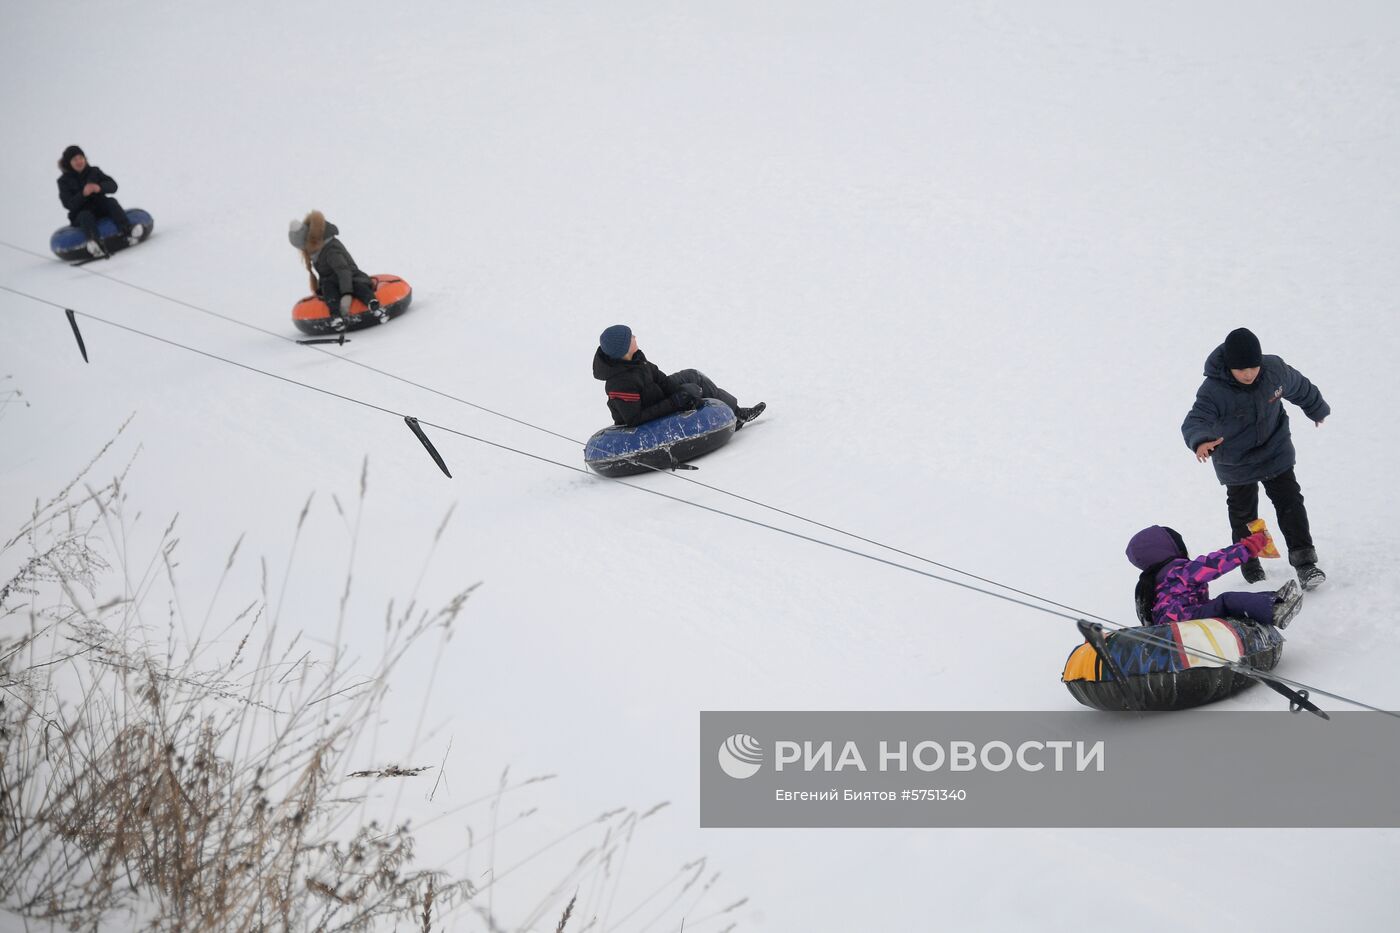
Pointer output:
x,y
973,259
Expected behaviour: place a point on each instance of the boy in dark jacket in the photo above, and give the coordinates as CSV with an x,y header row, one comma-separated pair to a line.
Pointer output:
x,y
84,189
333,273
1175,588
638,391
1239,424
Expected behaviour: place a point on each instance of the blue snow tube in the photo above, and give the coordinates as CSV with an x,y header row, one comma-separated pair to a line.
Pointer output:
x,y
70,243
1175,665
662,443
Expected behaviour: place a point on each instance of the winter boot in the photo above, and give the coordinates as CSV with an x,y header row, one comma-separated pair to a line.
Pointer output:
x,y
1311,576
1287,601
745,415
379,313
95,250
1253,570
337,323
1304,560
134,237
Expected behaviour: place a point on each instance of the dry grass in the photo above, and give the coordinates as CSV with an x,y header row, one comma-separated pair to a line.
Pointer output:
x,y
138,783
146,785
10,396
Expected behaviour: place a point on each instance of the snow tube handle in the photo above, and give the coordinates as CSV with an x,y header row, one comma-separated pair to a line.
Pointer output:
x,y
1093,634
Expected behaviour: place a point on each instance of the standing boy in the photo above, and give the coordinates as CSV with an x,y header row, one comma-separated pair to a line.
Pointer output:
x,y
1239,424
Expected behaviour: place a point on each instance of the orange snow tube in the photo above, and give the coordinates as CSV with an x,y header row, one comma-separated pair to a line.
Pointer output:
x,y
313,316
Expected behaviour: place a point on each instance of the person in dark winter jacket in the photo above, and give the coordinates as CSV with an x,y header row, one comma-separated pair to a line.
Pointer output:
x,y
1175,588
1238,423
638,391
86,191
332,271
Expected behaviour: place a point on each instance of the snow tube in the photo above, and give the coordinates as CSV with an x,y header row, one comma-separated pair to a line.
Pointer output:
x,y
661,443
1160,670
313,316
70,243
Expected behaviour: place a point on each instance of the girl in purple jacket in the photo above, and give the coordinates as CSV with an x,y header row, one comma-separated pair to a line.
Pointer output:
x,y
1175,588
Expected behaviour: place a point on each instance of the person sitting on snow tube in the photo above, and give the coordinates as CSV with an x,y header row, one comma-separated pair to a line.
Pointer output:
x,y
85,190
333,273
639,391
1174,588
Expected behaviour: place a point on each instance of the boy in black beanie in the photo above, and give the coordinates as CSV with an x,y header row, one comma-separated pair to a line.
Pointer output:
x,y
1239,424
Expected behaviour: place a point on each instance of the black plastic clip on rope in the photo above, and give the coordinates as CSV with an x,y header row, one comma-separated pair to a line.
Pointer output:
x,y
413,426
675,464
312,341
1297,699
73,323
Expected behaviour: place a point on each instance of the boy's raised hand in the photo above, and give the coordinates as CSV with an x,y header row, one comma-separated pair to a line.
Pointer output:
x,y
1203,452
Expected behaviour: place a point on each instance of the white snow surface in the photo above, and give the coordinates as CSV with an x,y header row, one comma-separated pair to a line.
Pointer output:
x,y
972,256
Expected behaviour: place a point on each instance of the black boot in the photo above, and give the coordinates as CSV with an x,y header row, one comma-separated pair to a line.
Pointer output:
x,y
744,415
1304,560
1287,601
1252,570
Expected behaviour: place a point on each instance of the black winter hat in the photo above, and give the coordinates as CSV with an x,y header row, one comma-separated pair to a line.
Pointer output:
x,y
65,162
1242,349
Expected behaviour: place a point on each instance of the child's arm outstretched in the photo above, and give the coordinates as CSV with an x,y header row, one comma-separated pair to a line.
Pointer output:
x,y
1217,563
1301,392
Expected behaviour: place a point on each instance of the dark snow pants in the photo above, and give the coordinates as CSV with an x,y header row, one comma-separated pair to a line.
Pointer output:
x,y
1256,606
1287,496
97,206
696,378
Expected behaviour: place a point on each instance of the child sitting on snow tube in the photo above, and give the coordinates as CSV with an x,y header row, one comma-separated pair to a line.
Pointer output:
x,y
86,191
333,273
639,391
1175,588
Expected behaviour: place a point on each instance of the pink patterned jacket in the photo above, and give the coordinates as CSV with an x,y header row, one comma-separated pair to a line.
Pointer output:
x,y
1183,584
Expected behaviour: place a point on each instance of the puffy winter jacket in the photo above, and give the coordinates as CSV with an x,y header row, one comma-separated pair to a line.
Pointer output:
x,y
637,390
336,269
1250,418
71,185
1181,584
